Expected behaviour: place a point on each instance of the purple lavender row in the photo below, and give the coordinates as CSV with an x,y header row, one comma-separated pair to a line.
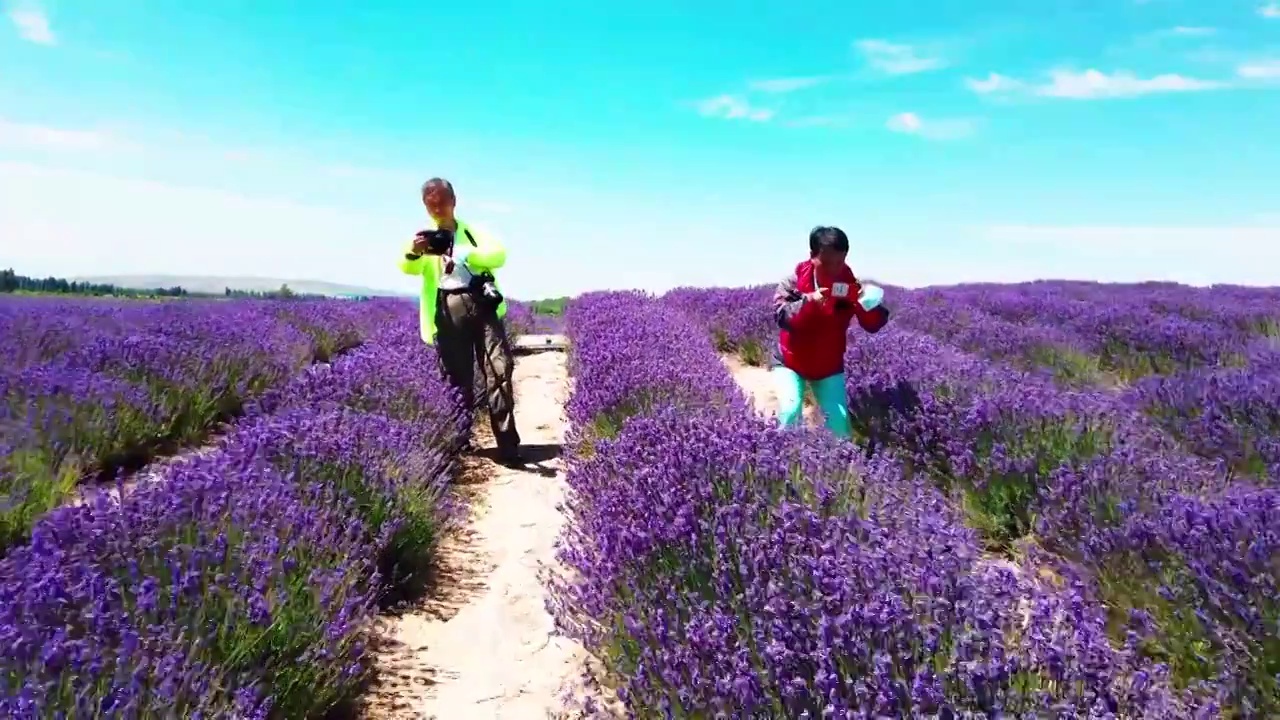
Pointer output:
x,y
1251,310
721,567
1090,511
242,582
1134,333
1221,413
738,319
94,387
993,434
618,378
519,319
1225,412
1214,558
548,324
1078,347
1034,347
1102,487
1084,333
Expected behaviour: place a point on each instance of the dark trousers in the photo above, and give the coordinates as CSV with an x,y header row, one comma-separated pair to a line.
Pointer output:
x,y
470,335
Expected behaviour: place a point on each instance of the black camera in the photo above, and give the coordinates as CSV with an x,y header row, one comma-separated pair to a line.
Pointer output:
x,y
488,289
439,242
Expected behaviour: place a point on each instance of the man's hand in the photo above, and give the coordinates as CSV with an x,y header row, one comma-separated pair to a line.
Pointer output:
x,y
421,245
818,295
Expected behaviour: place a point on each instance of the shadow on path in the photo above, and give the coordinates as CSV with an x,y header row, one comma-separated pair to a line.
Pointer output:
x,y
537,457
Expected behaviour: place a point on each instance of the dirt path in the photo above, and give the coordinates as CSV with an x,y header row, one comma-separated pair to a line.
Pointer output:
x,y
758,384
484,645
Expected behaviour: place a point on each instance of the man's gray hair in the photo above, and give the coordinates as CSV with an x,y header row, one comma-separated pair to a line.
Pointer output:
x,y
436,183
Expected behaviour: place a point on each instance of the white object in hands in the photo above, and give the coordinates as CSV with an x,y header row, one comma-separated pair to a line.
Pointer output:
x,y
840,289
870,297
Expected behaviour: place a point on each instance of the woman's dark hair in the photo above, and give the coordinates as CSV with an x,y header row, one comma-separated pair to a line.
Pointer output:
x,y
827,237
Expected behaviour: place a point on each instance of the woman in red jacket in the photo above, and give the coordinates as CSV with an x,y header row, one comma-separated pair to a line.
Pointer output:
x,y
814,306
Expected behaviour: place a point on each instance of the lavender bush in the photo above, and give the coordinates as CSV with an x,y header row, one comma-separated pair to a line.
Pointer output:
x,y
1084,333
617,377
994,434
731,316
721,566
91,388
520,319
241,582
1227,413
1196,583
229,589
1123,431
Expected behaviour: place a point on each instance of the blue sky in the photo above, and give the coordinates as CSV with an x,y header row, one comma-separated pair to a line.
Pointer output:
x,y
648,145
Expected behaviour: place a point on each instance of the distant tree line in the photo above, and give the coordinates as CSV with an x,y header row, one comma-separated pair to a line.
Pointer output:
x,y
12,282
284,292
549,306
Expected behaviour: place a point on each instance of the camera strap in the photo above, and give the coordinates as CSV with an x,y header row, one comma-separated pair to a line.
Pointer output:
x,y
467,231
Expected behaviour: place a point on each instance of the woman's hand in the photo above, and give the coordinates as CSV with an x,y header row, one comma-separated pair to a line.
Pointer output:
x,y
818,295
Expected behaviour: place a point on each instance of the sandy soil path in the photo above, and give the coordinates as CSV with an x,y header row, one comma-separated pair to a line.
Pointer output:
x,y
484,645
758,384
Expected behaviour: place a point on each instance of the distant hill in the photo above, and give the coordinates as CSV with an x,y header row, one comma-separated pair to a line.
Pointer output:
x,y
216,285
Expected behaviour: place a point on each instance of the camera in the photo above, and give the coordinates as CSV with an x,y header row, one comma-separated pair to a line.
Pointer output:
x,y
488,289
439,242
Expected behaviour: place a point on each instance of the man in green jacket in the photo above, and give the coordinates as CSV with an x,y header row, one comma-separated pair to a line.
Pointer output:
x,y
461,312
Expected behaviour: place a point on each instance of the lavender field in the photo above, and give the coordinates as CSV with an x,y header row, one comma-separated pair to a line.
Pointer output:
x,y
1060,500
240,582
1061,503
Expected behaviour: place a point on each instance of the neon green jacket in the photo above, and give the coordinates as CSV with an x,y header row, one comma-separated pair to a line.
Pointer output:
x,y
487,256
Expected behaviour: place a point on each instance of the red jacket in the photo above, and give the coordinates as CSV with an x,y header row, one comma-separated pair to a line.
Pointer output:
x,y
813,335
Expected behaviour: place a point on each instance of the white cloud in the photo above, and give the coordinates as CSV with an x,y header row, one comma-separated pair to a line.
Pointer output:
x,y
896,59
32,24
182,158
1247,254
28,136
1192,30
909,123
1260,70
731,107
107,203
906,122
65,222
1271,11
69,222
786,85
1095,84
992,83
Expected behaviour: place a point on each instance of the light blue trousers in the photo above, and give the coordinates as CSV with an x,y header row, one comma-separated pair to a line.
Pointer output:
x,y
830,392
